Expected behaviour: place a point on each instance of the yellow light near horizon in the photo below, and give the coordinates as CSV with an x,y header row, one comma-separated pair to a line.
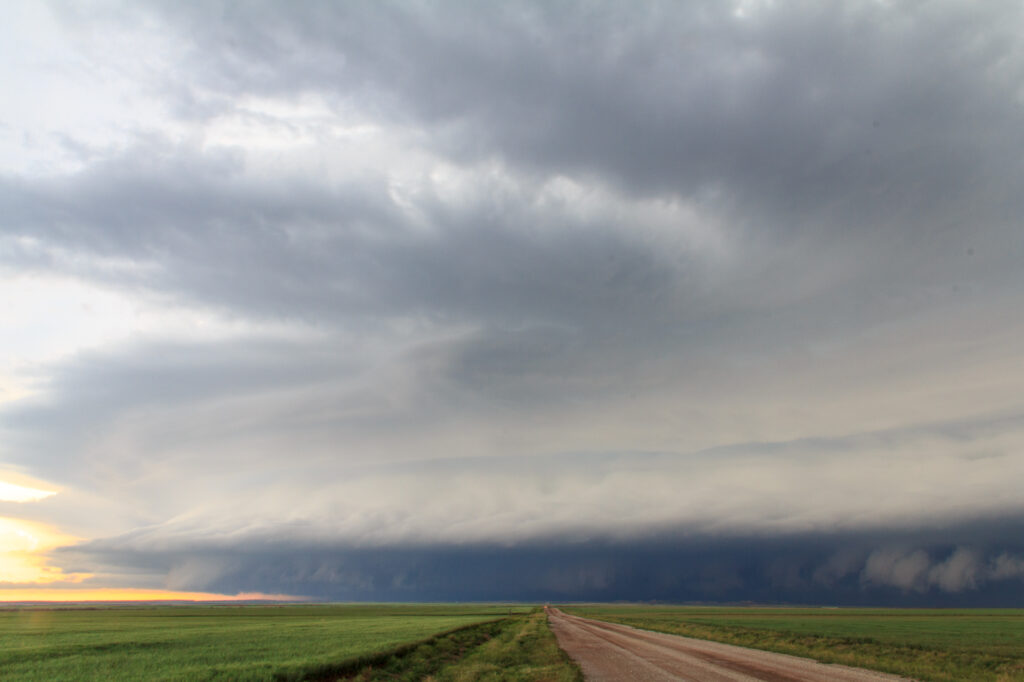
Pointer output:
x,y
22,561
60,594
22,544
11,492
23,547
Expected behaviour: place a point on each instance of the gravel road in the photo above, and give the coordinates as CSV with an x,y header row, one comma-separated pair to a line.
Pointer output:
x,y
607,651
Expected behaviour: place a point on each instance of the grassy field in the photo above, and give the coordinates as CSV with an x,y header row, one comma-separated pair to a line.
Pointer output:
x,y
217,642
925,644
520,649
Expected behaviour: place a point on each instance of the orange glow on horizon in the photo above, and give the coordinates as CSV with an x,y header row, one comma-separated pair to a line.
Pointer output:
x,y
23,561
58,594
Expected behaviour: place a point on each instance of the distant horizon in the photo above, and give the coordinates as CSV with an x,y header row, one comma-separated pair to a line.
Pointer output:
x,y
695,604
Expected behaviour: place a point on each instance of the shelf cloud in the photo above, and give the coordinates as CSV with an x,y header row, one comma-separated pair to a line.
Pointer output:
x,y
705,301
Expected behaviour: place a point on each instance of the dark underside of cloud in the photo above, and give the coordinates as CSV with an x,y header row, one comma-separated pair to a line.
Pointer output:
x,y
967,565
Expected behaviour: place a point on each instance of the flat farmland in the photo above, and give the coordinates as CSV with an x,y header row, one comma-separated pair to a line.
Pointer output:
x,y
926,644
218,642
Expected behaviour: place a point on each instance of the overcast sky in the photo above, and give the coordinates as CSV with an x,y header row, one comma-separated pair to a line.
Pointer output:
x,y
554,300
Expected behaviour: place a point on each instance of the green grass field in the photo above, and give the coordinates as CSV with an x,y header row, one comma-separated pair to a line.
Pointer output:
x,y
216,642
450,643
520,649
942,645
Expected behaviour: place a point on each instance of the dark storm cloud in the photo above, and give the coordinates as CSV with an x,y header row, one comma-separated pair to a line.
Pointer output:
x,y
863,126
870,111
967,564
678,301
191,224
294,247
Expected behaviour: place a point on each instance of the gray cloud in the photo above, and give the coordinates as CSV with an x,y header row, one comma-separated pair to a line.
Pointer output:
x,y
196,226
344,485
964,569
496,276
801,88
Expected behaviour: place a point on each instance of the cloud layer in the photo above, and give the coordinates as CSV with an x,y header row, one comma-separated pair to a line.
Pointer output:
x,y
419,282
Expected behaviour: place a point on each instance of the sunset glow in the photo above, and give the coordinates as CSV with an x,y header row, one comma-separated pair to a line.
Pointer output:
x,y
23,547
57,594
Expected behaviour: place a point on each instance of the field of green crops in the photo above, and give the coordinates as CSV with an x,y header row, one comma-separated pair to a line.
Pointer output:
x,y
926,644
404,642
216,642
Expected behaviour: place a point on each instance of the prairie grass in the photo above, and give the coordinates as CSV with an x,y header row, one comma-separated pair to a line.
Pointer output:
x,y
217,642
518,649
524,650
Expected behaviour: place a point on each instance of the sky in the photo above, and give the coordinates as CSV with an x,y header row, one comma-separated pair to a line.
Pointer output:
x,y
705,301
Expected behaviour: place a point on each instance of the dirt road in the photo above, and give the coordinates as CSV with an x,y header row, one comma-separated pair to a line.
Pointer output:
x,y
607,651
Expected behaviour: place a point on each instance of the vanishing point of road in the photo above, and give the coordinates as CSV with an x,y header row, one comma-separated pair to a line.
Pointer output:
x,y
611,652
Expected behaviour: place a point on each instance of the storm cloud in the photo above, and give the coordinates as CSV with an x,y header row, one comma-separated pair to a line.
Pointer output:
x,y
702,301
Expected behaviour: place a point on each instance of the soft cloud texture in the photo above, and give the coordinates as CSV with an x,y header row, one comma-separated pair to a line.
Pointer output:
x,y
300,298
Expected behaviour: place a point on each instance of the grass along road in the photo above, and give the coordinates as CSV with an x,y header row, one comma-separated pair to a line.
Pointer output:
x,y
519,649
936,645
